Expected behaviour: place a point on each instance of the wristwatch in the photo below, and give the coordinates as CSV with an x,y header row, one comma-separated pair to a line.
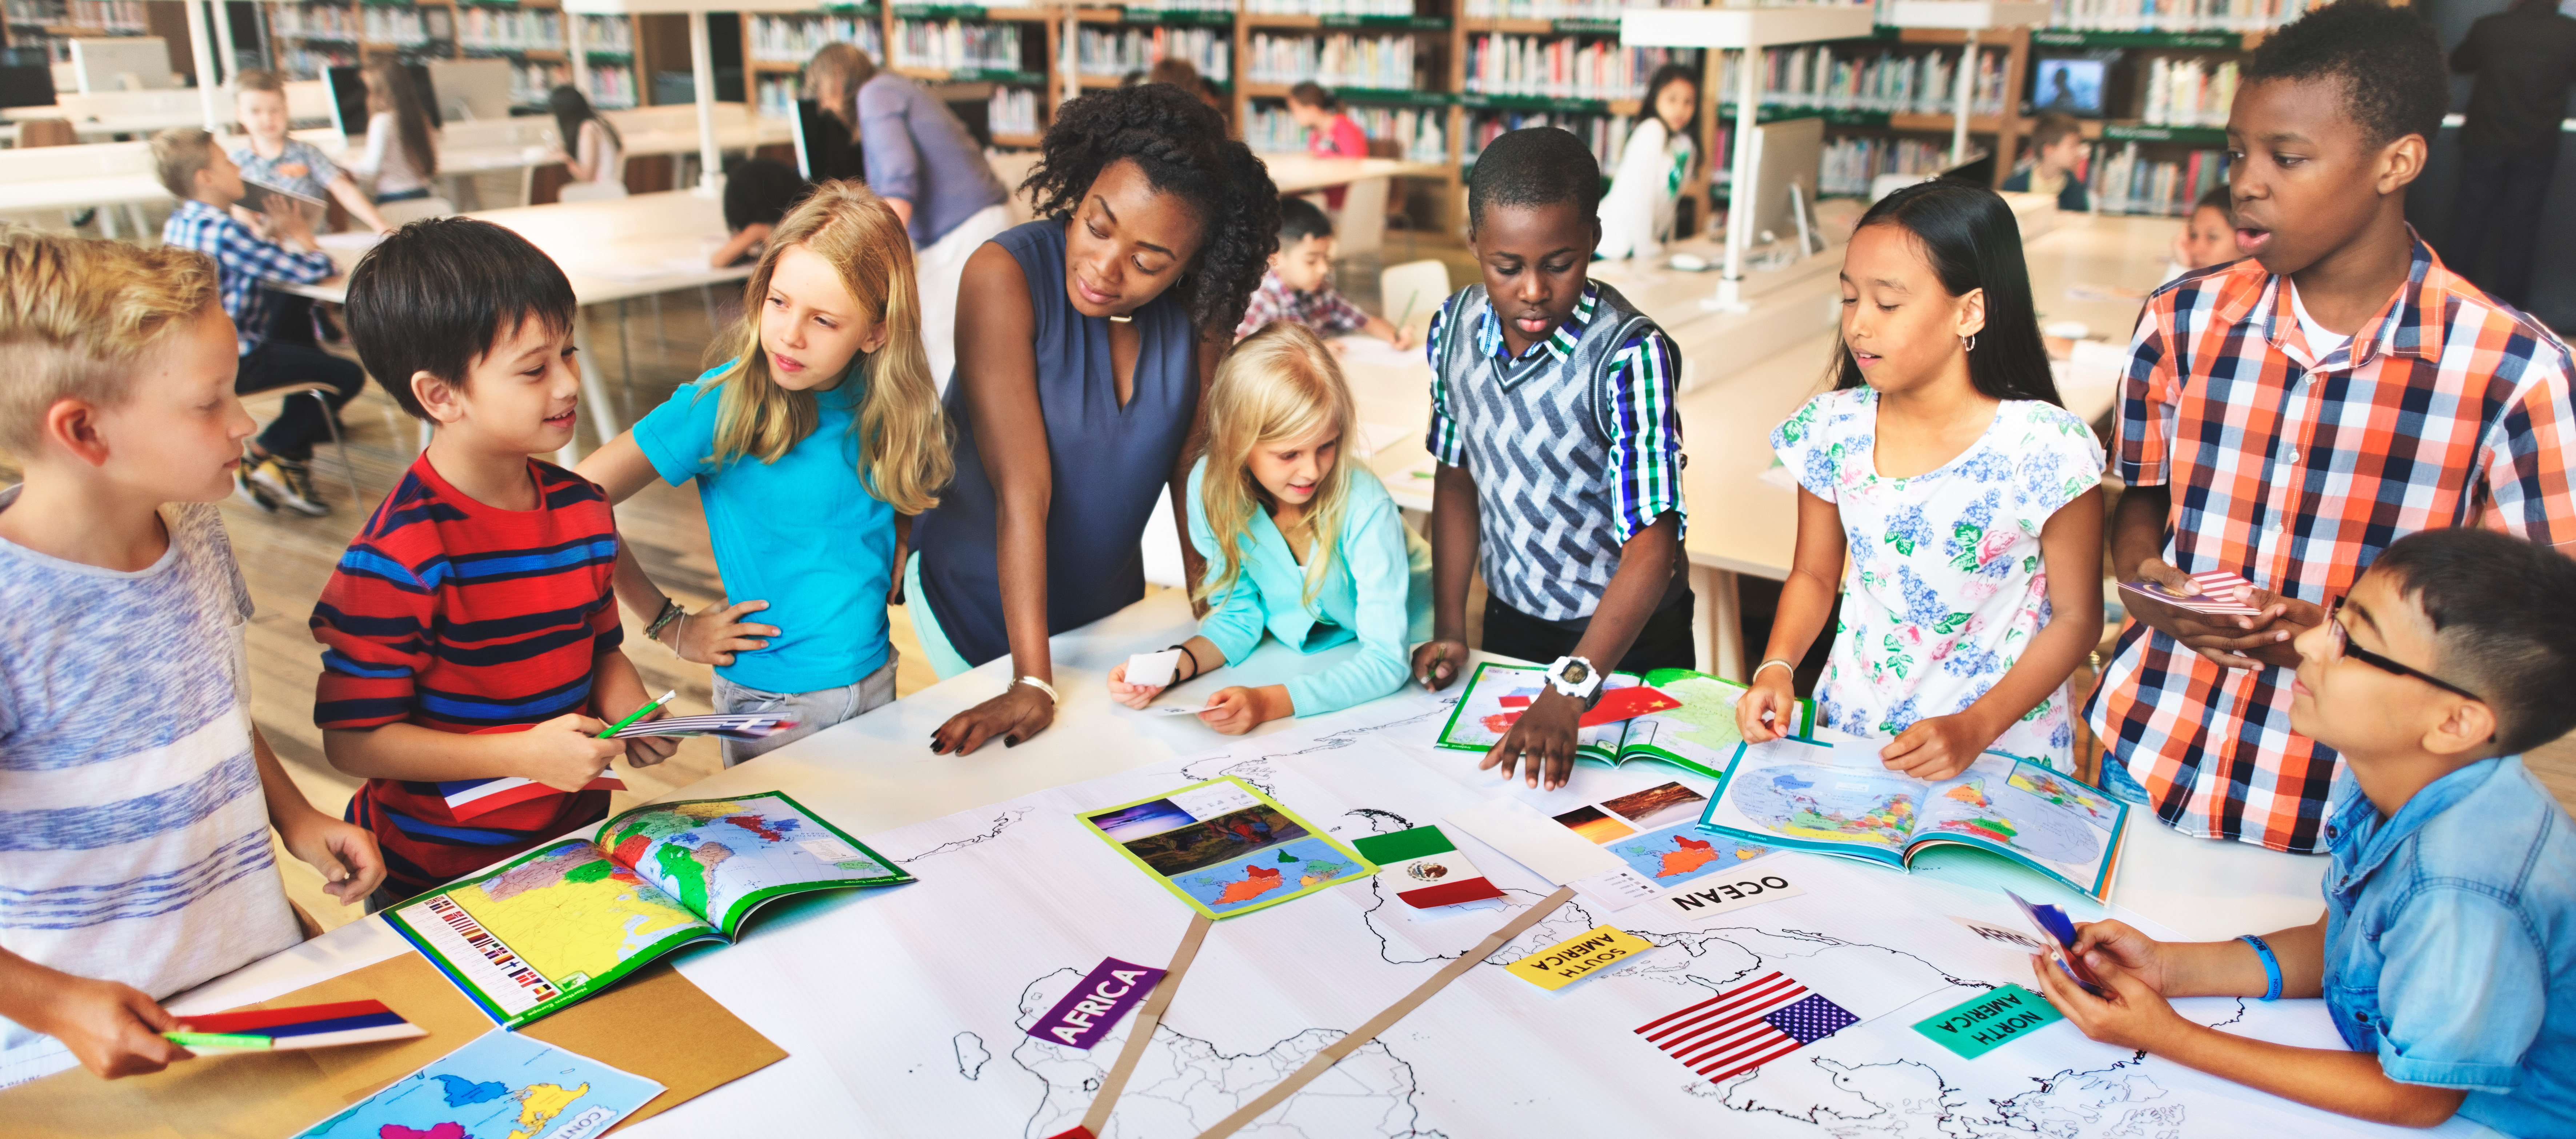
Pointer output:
x,y
1575,677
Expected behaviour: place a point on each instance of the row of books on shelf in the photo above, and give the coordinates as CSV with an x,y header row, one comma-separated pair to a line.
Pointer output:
x,y
774,96
2188,92
1419,134
315,21
108,16
531,81
1327,7
611,88
1225,6
954,44
509,29
795,39
1560,9
1851,163
1121,50
407,27
1563,67
1607,135
2174,15
1384,62
1866,78
612,35
1012,110
2122,182
310,61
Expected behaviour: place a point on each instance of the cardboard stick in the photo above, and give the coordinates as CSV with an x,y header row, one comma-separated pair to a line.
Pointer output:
x,y
1358,1037
1147,1018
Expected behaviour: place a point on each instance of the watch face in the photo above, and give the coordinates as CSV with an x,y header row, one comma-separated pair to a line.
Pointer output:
x,y
1576,674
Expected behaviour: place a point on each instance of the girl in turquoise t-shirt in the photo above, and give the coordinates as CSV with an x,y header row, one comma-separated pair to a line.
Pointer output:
x,y
828,392
1299,544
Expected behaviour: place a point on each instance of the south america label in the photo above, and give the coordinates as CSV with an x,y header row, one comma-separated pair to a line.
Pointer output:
x,y
1982,1024
1593,951
1093,1007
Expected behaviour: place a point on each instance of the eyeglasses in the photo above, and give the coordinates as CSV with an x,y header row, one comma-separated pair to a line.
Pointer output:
x,y
2340,639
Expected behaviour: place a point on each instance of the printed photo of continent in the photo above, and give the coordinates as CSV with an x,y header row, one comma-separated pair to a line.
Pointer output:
x,y
1679,853
1225,838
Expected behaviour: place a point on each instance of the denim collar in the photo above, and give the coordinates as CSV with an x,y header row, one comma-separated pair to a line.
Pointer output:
x,y
2357,835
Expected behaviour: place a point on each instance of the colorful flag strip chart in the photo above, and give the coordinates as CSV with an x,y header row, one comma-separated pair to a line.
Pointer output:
x,y
1745,1027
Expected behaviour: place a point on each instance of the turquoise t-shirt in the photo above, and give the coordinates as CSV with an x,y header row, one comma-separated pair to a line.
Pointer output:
x,y
803,533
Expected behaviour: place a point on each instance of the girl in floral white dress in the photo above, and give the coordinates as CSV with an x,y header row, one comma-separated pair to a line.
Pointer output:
x,y
1950,495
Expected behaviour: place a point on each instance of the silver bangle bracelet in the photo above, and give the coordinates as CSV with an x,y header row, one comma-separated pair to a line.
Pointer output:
x,y
1783,662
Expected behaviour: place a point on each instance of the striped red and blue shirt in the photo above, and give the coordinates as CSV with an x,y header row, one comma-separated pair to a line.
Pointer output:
x,y
460,617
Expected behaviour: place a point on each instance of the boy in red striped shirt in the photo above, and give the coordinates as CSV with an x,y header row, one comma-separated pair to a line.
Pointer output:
x,y
469,632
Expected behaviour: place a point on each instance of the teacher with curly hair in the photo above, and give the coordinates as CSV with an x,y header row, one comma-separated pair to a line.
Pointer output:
x,y
1084,342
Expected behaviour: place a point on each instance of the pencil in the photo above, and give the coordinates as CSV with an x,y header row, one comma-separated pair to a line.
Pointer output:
x,y
1408,307
638,714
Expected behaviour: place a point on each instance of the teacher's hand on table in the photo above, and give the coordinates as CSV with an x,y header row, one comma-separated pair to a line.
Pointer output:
x,y
1541,741
1132,695
1021,711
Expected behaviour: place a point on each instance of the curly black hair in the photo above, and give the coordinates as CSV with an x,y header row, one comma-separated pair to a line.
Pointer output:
x,y
1181,146
2395,81
1534,166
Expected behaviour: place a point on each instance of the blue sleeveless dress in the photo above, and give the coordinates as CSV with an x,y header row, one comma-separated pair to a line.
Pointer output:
x,y
1111,463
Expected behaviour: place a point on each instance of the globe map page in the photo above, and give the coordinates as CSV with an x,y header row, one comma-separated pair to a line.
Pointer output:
x,y
559,923
1831,795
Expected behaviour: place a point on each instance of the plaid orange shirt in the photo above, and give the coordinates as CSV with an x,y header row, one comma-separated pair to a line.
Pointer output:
x,y
2447,409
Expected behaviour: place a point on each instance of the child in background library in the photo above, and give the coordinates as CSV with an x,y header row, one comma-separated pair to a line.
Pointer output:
x,y
1952,496
400,157
2289,416
823,421
1329,132
2447,953
586,143
1637,213
1299,285
140,793
1299,543
273,331
1560,455
2208,236
758,193
469,632
274,158
2056,163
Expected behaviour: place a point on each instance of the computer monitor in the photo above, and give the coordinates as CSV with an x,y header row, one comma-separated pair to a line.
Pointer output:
x,y
1785,155
824,148
26,85
349,98
2068,87
470,88
126,63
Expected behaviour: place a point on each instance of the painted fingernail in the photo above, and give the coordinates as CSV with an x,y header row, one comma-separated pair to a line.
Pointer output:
x,y
1010,741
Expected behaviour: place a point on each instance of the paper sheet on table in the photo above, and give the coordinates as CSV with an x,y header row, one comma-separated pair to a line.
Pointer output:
x,y
354,239
1363,350
1376,437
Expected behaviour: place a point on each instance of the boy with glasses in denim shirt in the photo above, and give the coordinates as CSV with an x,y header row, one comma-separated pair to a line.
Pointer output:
x,y
2447,953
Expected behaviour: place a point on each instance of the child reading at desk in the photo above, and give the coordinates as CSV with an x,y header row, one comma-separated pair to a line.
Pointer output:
x,y
2447,952
1300,543
1948,495
1299,286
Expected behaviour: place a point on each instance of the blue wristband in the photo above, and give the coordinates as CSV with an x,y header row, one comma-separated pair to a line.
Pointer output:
x,y
2271,966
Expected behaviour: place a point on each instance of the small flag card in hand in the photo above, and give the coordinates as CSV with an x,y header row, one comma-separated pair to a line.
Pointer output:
x,y
739,727
1747,1026
2222,592
303,1026
1423,869
469,799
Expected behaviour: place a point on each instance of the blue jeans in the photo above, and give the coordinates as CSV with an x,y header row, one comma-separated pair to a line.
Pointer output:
x,y
814,711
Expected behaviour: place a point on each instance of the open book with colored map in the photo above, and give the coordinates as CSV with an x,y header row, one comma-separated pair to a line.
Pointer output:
x,y
1225,847
1687,719
562,922
1834,796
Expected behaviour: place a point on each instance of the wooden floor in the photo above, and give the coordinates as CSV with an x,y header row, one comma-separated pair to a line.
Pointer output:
x,y
287,558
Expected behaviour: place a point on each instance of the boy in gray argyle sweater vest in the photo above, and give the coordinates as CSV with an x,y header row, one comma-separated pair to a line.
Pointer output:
x,y
1560,455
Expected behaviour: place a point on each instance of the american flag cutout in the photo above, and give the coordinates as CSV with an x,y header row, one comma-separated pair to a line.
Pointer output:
x,y
1747,1026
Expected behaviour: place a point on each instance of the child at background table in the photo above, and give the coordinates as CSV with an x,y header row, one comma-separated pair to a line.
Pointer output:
x,y
2208,237
469,632
402,155
1560,455
1299,285
813,446
587,144
758,193
1299,541
2056,164
1637,213
140,795
1948,494
1330,133
275,158
2447,953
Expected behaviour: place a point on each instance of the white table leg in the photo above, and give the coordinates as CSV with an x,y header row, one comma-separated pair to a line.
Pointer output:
x,y
594,391
1717,622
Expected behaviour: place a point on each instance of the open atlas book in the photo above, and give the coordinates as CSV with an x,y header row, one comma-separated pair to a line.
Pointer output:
x,y
1681,717
560,923
1834,796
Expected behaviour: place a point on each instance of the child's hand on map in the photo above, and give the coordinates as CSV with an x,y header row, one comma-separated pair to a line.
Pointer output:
x,y
2133,1016
1234,711
1935,748
2104,946
1541,742
1763,713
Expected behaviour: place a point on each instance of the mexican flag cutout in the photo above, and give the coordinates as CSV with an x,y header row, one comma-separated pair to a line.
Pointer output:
x,y
1421,867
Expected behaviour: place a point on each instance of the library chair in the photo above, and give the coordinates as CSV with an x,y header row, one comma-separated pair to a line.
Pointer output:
x,y
321,398
1411,292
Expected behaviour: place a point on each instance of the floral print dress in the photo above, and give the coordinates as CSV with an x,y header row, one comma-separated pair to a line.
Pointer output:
x,y
1944,586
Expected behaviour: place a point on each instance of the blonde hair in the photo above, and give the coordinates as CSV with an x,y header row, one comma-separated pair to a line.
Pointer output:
x,y
76,315
903,438
1281,383
846,69
177,154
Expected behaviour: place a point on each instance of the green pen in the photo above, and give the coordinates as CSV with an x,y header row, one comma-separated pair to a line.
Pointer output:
x,y
218,1040
638,714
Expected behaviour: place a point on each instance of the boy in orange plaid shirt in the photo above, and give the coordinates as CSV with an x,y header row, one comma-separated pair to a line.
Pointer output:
x,y
2289,415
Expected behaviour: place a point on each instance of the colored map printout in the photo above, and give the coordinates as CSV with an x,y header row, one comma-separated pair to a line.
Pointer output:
x,y
501,1086
1226,848
1677,854
563,921
1700,735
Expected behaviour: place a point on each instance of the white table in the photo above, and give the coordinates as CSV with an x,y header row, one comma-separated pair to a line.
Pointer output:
x,y
876,772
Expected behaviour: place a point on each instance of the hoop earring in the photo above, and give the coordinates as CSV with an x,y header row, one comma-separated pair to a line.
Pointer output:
x,y
1968,343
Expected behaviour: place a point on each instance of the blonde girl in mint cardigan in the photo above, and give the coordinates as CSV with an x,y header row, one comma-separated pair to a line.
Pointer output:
x,y
1300,542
